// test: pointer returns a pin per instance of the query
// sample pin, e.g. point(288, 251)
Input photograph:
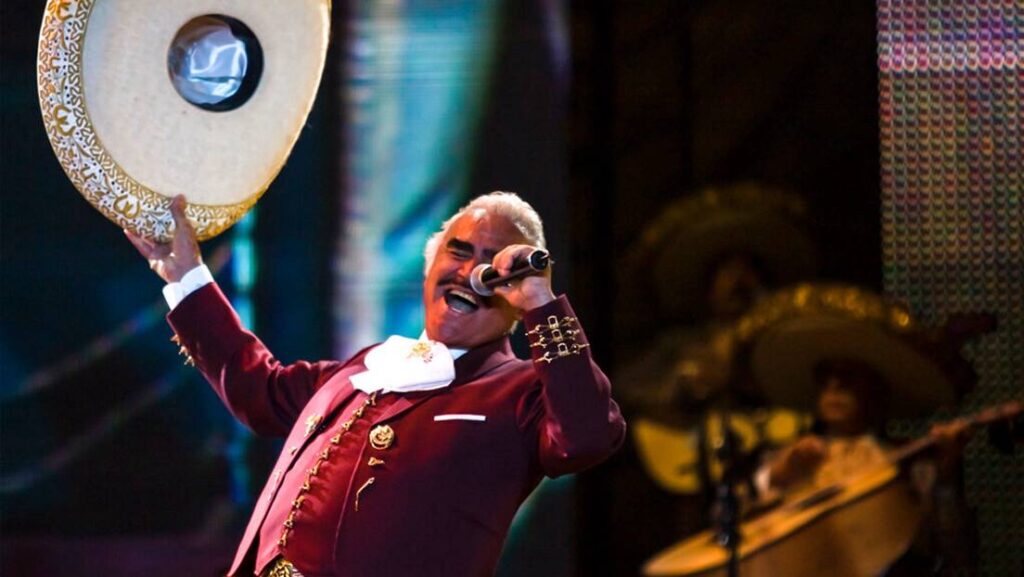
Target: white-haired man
point(412, 457)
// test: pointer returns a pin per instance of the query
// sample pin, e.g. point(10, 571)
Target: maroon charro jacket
point(443, 502)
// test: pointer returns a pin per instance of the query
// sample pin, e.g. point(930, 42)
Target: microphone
point(485, 277)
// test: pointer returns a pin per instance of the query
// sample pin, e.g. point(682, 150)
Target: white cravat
point(402, 365)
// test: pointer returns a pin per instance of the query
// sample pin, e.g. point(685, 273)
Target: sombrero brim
point(129, 142)
point(784, 356)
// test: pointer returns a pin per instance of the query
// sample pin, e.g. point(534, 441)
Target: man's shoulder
point(359, 355)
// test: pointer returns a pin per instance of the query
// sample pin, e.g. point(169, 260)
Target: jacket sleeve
point(577, 423)
point(256, 388)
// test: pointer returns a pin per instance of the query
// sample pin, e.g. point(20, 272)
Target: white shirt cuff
point(192, 281)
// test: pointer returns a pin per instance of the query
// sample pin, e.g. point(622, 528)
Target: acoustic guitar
point(853, 529)
point(671, 454)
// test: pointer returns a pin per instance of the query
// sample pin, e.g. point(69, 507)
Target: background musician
point(849, 438)
point(700, 264)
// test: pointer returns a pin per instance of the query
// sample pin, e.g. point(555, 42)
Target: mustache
point(457, 280)
point(454, 279)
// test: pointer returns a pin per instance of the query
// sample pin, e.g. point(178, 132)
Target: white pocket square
point(460, 417)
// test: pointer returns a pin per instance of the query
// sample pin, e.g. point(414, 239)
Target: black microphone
point(485, 277)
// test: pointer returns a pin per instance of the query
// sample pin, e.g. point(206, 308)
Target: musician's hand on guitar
point(950, 441)
point(798, 461)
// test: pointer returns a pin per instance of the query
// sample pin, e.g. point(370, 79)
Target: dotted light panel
point(951, 85)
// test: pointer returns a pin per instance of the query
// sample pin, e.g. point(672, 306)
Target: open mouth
point(461, 300)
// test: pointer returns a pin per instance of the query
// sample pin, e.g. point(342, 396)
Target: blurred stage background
point(117, 460)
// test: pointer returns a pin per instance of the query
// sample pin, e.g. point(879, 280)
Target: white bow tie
point(402, 365)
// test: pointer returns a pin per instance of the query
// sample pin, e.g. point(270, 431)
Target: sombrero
point(146, 99)
point(786, 335)
point(694, 232)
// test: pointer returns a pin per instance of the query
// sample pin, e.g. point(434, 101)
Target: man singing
point(411, 457)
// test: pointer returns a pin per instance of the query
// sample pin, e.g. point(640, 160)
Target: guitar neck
point(911, 449)
point(986, 417)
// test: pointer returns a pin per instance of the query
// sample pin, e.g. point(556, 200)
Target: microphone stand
point(735, 467)
point(728, 509)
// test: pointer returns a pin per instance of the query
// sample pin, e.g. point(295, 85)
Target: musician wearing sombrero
point(411, 457)
point(855, 362)
point(707, 258)
point(697, 267)
point(849, 431)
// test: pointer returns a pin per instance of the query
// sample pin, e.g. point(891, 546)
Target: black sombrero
point(782, 340)
point(693, 233)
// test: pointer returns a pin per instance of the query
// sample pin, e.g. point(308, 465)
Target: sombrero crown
point(680, 247)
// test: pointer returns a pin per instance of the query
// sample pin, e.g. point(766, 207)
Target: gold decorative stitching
point(560, 332)
point(381, 437)
point(281, 567)
point(359, 492)
point(312, 422)
point(563, 351)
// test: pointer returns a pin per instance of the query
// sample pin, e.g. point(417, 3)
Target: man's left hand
point(528, 292)
point(950, 438)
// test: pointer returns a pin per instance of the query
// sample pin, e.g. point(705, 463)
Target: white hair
point(506, 204)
